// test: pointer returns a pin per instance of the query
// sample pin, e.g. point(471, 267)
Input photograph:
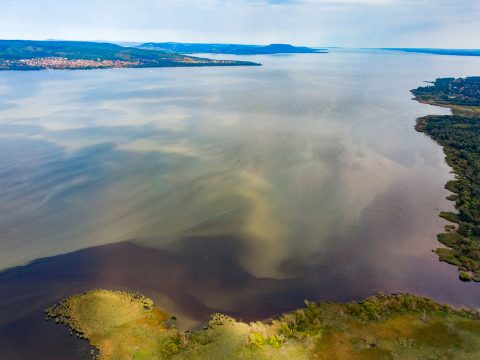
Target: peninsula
point(231, 49)
point(74, 55)
point(452, 52)
point(125, 325)
point(459, 134)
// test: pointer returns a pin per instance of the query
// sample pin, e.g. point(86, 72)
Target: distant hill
point(233, 49)
point(457, 52)
point(37, 55)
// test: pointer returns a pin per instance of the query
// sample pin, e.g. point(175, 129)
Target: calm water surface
point(239, 190)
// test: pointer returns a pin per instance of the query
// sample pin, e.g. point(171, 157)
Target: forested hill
point(36, 55)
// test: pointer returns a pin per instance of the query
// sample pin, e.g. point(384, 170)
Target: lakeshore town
point(66, 64)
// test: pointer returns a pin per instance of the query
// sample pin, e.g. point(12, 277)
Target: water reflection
point(275, 155)
point(303, 178)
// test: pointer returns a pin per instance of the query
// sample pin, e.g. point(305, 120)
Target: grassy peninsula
point(124, 325)
point(459, 134)
point(74, 55)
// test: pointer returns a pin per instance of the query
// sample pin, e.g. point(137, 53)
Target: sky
point(344, 23)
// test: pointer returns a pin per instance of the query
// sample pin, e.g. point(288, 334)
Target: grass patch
point(126, 325)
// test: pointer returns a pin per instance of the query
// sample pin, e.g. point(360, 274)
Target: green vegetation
point(459, 134)
point(127, 326)
point(114, 322)
point(451, 92)
point(18, 55)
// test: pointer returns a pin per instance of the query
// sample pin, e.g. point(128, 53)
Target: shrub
point(465, 276)
point(257, 339)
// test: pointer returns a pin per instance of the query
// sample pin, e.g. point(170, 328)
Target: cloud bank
point(351, 23)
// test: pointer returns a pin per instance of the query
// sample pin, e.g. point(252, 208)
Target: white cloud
point(361, 23)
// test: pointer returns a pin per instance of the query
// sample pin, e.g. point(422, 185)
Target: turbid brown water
point(240, 190)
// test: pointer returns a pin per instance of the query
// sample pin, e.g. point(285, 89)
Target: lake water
point(241, 190)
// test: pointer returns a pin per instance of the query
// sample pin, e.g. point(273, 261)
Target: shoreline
point(457, 134)
point(27, 290)
point(176, 65)
point(33, 55)
point(473, 111)
point(123, 324)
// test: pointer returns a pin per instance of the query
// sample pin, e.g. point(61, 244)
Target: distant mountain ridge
point(230, 49)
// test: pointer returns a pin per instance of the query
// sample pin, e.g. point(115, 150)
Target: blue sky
point(351, 23)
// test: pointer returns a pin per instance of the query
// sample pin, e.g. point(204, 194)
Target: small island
point(231, 49)
point(459, 134)
point(127, 325)
point(75, 55)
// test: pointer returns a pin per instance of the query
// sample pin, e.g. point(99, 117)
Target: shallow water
point(241, 190)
